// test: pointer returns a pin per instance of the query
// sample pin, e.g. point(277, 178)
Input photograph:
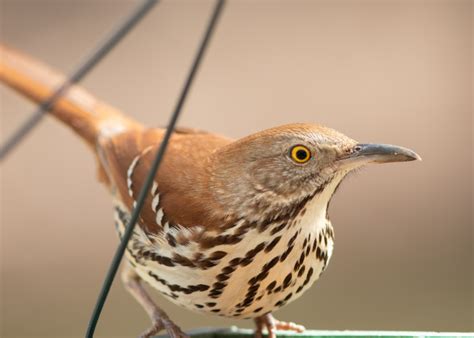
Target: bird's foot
point(159, 324)
point(269, 322)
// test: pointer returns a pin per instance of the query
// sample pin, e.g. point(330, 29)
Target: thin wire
point(151, 175)
point(85, 67)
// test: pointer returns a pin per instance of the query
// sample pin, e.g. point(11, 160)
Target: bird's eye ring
point(300, 154)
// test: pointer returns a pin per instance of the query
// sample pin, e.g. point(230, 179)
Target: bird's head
point(287, 164)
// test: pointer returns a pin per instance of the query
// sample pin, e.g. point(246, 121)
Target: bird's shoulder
point(179, 195)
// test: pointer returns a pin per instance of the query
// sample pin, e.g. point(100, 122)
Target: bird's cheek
point(326, 171)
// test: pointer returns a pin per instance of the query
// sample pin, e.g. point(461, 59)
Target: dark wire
point(95, 57)
point(151, 175)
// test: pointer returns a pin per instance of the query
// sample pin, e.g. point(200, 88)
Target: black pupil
point(301, 154)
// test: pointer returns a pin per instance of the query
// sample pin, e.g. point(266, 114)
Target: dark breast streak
point(218, 255)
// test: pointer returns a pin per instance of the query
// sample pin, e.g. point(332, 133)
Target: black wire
point(151, 176)
point(96, 55)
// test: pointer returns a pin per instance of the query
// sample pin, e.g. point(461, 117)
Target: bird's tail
point(86, 115)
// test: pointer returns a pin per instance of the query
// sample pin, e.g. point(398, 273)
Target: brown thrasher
point(231, 228)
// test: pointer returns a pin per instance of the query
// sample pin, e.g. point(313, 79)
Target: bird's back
point(180, 187)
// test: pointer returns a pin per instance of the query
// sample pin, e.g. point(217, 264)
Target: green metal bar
point(235, 332)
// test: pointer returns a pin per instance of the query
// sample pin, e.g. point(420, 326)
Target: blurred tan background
point(389, 71)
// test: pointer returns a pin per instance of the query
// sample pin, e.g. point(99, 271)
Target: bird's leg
point(267, 321)
point(159, 318)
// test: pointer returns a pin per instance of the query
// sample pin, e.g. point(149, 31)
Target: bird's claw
point(289, 326)
point(160, 324)
point(269, 322)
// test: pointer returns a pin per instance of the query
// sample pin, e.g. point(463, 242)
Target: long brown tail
point(78, 109)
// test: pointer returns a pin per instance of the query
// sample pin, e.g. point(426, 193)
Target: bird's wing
point(180, 194)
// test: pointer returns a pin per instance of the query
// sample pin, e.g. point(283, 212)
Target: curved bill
point(377, 153)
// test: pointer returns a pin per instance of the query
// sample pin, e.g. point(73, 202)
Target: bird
point(234, 228)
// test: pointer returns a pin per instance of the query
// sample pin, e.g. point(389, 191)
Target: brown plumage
point(233, 228)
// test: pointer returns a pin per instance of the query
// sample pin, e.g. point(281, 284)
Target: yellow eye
point(300, 154)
